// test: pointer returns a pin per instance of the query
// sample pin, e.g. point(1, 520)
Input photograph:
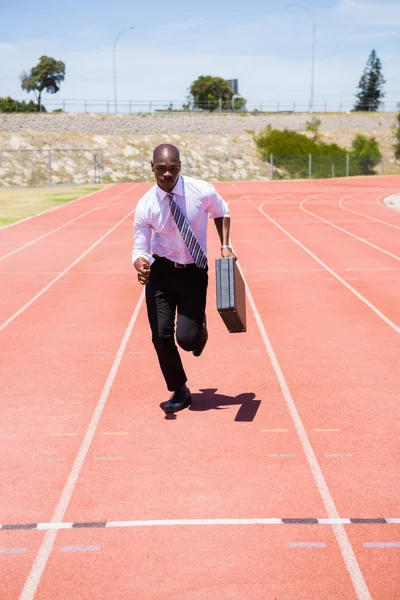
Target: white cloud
point(376, 12)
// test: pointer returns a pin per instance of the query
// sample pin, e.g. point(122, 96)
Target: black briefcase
point(231, 295)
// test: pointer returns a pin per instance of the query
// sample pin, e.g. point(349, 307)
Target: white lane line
point(46, 546)
point(200, 522)
point(13, 550)
point(343, 541)
point(307, 545)
point(81, 548)
point(56, 207)
point(391, 208)
point(360, 239)
point(364, 215)
point(381, 544)
point(53, 281)
point(347, 285)
point(65, 224)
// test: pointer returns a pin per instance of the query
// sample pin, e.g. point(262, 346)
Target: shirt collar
point(178, 189)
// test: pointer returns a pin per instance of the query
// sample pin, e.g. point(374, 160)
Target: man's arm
point(141, 256)
point(219, 211)
point(223, 225)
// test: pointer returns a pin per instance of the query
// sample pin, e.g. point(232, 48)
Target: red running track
point(293, 430)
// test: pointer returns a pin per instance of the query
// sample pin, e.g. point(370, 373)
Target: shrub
point(291, 151)
point(365, 154)
point(9, 105)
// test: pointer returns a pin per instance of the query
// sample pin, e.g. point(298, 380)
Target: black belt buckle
point(179, 266)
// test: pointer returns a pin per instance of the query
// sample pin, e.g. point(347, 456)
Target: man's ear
point(152, 166)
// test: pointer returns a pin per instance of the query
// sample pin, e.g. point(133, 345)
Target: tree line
point(207, 93)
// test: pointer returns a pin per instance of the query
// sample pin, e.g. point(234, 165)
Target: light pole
point(115, 80)
point(313, 51)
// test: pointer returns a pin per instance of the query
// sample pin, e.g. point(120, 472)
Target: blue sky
point(266, 45)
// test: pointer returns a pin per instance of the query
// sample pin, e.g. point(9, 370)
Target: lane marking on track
point(338, 455)
point(281, 455)
point(63, 434)
point(360, 239)
point(53, 281)
point(199, 522)
point(381, 544)
point(108, 458)
point(116, 432)
point(81, 548)
point(338, 277)
point(343, 541)
point(363, 214)
point(391, 208)
point(55, 208)
point(4, 256)
point(13, 550)
point(307, 545)
point(326, 430)
point(42, 556)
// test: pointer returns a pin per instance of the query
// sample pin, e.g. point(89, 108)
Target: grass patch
point(17, 204)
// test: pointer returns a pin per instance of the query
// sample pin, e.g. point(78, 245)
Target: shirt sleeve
point(142, 236)
point(217, 206)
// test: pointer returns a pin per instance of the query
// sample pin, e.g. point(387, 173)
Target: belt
point(174, 264)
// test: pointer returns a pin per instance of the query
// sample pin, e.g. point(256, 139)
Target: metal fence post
point(50, 174)
point(310, 166)
point(347, 165)
point(271, 164)
point(230, 167)
point(333, 170)
point(383, 165)
point(220, 105)
point(142, 166)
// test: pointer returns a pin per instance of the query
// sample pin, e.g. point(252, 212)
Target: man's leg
point(191, 309)
point(161, 303)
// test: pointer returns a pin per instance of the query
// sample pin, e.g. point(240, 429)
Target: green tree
point(365, 155)
point(371, 85)
point(47, 75)
point(396, 131)
point(207, 91)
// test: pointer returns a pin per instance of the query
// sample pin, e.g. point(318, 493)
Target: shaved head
point(165, 152)
point(166, 166)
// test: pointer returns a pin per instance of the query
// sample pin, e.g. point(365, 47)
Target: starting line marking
point(197, 522)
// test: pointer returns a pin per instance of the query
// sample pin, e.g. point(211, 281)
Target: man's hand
point(227, 253)
point(143, 268)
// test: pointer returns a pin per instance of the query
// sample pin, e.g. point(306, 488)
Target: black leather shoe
point(203, 340)
point(179, 400)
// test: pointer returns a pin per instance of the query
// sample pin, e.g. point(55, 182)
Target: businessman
point(170, 257)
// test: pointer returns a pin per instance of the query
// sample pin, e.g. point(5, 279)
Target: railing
point(52, 167)
point(82, 106)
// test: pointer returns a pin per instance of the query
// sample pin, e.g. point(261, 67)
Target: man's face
point(166, 171)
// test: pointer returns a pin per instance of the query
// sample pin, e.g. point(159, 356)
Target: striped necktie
point(189, 238)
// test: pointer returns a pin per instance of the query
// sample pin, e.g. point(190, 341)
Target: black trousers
point(170, 292)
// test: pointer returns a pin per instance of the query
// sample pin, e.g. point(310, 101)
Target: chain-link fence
point(55, 104)
point(49, 167)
